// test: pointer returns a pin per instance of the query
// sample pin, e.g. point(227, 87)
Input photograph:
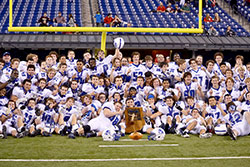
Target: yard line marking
point(121, 159)
point(143, 145)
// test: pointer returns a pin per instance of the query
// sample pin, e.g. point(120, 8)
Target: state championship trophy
point(134, 122)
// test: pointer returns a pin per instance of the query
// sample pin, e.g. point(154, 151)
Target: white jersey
point(89, 88)
point(136, 70)
point(79, 77)
point(61, 77)
point(154, 69)
point(214, 112)
point(29, 116)
point(3, 101)
point(120, 71)
point(33, 78)
point(42, 93)
point(115, 88)
point(234, 93)
point(217, 93)
point(10, 85)
point(68, 112)
point(71, 64)
point(168, 111)
point(200, 75)
point(241, 81)
point(90, 72)
point(21, 93)
point(42, 74)
point(233, 118)
point(61, 98)
point(245, 106)
point(187, 90)
point(176, 73)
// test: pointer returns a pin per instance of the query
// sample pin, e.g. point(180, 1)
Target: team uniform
point(48, 123)
point(89, 88)
point(187, 90)
point(214, 113)
point(200, 76)
point(217, 93)
point(136, 70)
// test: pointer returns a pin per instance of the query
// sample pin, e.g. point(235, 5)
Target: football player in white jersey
point(62, 95)
point(230, 90)
point(216, 89)
point(71, 61)
point(30, 74)
point(77, 73)
point(241, 77)
point(13, 65)
point(104, 62)
point(23, 92)
point(92, 69)
point(195, 124)
point(213, 114)
point(149, 66)
point(179, 72)
point(198, 75)
point(167, 91)
point(116, 70)
point(68, 118)
point(135, 69)
point(245, 90)
point(218, 57)
point(118, 86)
point(239, 62)
point(246, 104)
point(62, 75)
point(41, 91)
point(75, 90)
point(248, 69)
point(43, 70)
point(109, 117)
point(238, 125)
point(92, 88)
point(188, 88)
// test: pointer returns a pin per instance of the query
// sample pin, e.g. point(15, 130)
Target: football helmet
point(220, 129)
point(110, 135)
point(157, 134)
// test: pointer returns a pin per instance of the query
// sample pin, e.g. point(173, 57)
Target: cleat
point(64, 131)
point(19, 135)
point(172, 129)
point(4, 132)
point(1, 136)
point(231, 133)
point(205, 135)
point(71, 136)
point(91, 134)
point(46, 134)
point(185, 135)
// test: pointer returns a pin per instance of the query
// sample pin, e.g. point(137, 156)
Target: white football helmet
point(119, 43)
point(157, 134)
point(220, 129)
point(110, 135)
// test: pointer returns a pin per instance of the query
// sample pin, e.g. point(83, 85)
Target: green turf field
point(58, 147)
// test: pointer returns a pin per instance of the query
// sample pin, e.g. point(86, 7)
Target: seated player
point(216, 89)
point(238, 125)
point(195, 124)
point(92, 88)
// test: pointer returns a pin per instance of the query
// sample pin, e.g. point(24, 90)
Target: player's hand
point(211, 92)
point(129, 70)
point(223, 91)
point(203, 68)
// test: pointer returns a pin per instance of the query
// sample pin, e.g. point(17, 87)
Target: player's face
point(32, 104)
point(51, 74)
point(130, 103)
point(63, 90)
point(27, 86)
point(165, 84)
point(101, 82)
point(6, 58)
point(212, 102)
point(170, 102)
point(87, 56)
point(248, 84)
point(215, 81)
point(2, 92)
point(102, 98)
point(241, 72)
point(54, 57)
point(160, 58)
point(49, 61)
point(248, 67)
point(62, 59)
point(87, 100)
point(156, 83)
point(124, 62)
point(11, 105)
point(132, 92)
point(101, 54)
point(210, 66)
point(79, 65)
point(95, 80)
point(136, 59)
point(195, 114)
point(151, 101)
point(228, 99)
point(118, 81)
point(238, 61)
point(70, 103)
point(140, 81)
point(15, 65)
point(223, 68)
point(218, 59)
point(31, 71)
point(190, 102)
point(35, 58)
point(92, 63)
point(71, 55)
point(230, 83)
point(248, 96)
point(193, 64)
point(177, 57)
point(183, 66)
point(199, 60)
point(43, 65)
point(117, 63)
point(63, 68)
point(117, 97)
point(30, 62)
point(42, 84)
point(118, 106)
point(229, 74)
point(1, 65)
point(149, 63)
point(188, 79)
point(74, 85)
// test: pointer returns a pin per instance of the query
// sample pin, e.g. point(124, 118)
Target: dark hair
point(31, 66)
